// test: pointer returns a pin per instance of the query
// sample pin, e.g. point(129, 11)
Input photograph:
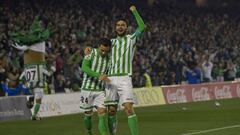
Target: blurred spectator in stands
point(138, 80)
point(13, 76)
point(230, 71)
point(192, 73)
point(59, 61)
point(174, 35)
point(3, 74)
point(3, 77)
point(207, 66)
point(76, 77)
point(60, 83)
point(218, 71)
point(20, 89)
point(76, 58)
point(170, 78)
point(147, 78)
point(238, 70)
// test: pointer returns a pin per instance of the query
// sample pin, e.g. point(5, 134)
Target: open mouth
point(120, 31)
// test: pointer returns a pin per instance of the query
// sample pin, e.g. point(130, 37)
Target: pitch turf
point(157, 120)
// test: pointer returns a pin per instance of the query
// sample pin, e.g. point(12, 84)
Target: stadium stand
point(177, 39)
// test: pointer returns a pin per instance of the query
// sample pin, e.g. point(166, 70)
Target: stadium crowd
point(191, 45)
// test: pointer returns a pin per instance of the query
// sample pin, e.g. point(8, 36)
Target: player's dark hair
point(105, 42)
point(121, 19)
point(44, 20)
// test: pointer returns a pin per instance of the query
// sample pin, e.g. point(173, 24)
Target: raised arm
point(141, 25)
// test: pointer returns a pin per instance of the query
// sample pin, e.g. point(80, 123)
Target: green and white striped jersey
point(35, 74)
point(122, 54)
point(97, 64)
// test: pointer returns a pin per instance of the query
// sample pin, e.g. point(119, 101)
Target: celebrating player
point(32, 43)
point(94, 67)
point(120, 72)
point(120, 88)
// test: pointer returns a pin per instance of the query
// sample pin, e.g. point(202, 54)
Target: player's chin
point(120, 33)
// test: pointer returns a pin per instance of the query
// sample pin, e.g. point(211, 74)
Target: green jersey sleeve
point(86, 66)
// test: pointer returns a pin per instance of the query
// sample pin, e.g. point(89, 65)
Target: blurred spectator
point(147, 79)
point(174, 35)
point(3, 77)
point(207, 66)
point(219, 71)
point(192, 73)
point(13, 76)
point(230, 71)
point(60, 84)
point(19, 90)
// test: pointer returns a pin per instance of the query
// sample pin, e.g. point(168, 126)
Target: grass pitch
point(178, 119)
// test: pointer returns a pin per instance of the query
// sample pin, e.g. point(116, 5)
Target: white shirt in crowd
point(207, 69)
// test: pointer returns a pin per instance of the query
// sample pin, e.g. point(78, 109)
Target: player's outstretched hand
point(19, 47)
point(104, 78)
point(87, 50)
point(133, 8)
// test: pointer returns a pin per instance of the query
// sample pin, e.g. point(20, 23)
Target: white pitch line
point(212, 130)
point(194, 130)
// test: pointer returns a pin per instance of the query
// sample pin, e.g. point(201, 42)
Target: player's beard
point(121, 34)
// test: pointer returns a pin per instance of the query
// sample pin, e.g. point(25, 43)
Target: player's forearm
point(139, 20)
point(89, 72)
point(86, 69)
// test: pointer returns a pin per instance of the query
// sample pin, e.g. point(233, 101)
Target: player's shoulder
point(129, 35)
point(94, 50)
point(91, 54)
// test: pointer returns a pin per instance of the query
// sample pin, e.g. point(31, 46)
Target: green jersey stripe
point(94, 68)
point(99, 65)
point(104, 71)
point(88, 78)
point(115, 54)
point(119, 54)
point(112, 58)
point(85, 80)
point(126, 58)
point(99, 69)
point(122, 55)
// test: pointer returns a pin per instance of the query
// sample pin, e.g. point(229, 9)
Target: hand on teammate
point(104, 78)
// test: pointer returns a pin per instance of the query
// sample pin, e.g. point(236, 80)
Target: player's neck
point(121, 36)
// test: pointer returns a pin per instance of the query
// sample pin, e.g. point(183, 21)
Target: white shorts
point(119, 90)
point(91, 99)
point(38, 93)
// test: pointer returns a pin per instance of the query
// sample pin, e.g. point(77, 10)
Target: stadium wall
point(148, 96)
point(201, 92)
point(12, 108)
point(62, 104)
